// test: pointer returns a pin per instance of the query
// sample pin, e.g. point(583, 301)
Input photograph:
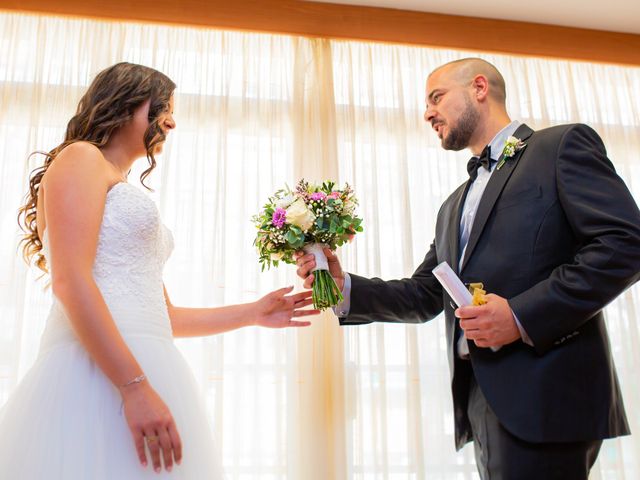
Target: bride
point(109, 393)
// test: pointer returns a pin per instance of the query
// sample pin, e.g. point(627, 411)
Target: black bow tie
point(474, 163)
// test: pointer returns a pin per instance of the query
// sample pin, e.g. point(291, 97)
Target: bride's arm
point(75, 188)
point(274, 310)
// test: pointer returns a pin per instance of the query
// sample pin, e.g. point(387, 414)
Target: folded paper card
point(452, 284)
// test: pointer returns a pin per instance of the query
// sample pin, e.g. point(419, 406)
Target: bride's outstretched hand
point(278, 310)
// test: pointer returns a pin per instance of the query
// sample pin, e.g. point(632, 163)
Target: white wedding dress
point(64, 420)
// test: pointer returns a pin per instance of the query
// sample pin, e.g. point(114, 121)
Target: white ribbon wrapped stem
point(321, 259)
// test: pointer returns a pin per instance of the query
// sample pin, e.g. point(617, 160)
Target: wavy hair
point(107, 105)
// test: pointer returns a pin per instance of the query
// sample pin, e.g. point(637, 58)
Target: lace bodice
point(133, 246)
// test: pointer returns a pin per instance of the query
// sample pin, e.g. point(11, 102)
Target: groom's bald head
point(465, 70)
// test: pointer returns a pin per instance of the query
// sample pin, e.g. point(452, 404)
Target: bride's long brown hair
point(108, 104)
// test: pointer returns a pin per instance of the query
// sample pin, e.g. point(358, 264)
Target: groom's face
point(450, 109)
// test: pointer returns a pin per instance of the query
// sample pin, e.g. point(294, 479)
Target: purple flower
point(318, 196)
point(279, 217)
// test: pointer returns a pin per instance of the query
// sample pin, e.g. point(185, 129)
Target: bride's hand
point(277, 309)
point(150, 420)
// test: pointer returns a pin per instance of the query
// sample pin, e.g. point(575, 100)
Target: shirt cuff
point(523, 334)
point(342, 309)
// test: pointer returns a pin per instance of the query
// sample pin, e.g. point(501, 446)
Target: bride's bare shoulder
point(75, 185)
point(80, 153)
point(79, 162)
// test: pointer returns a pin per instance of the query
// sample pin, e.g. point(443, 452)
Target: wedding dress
point(65, 421)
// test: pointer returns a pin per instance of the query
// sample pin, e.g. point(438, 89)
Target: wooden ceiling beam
point(351, 22)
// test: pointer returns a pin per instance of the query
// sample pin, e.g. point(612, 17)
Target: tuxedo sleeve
point(605, 221)
point(410, 300)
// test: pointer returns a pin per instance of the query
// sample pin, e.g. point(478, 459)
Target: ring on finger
point(151, 438)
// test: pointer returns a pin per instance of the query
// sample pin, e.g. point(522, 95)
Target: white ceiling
point(613, 15)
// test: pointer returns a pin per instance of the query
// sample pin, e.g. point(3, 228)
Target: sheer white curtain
point(255, 111)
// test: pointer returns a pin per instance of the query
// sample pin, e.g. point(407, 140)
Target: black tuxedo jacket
point(556, 233)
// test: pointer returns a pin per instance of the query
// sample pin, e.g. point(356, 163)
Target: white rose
point(299, 215)
point(349, 207)
point(284, 202)
point(277, 256)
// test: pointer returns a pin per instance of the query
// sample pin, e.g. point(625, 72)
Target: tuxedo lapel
point(492, 192)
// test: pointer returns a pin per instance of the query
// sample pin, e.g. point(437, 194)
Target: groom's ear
point(480, 85)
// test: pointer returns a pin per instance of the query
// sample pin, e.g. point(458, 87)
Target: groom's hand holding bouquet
point(307, 263)
point(315, 219)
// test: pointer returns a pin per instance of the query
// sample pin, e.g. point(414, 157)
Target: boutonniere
point(511, 146)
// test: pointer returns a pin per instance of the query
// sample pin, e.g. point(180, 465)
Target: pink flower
point(279, 217)
point(334, 195)
point(318, 196)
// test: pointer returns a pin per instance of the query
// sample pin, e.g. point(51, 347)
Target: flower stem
point(325, 291)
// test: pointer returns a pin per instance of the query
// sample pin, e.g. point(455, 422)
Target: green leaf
point(291, 237)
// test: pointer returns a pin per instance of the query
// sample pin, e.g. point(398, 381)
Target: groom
point(554, 234)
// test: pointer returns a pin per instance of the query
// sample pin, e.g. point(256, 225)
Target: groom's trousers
point(502, 456)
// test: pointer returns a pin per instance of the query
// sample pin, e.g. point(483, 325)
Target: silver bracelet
point(138, 379)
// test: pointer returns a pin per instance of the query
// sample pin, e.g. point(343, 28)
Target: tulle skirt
point(65, 420)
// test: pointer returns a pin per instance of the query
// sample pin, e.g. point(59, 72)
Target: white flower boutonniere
point(511, 146)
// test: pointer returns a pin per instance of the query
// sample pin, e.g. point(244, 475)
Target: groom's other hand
point(306, 262)
point(491, 324)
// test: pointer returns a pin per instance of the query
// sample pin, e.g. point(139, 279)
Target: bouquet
point(310, 218)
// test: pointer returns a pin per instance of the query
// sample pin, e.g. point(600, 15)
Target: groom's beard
point(460, 133)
